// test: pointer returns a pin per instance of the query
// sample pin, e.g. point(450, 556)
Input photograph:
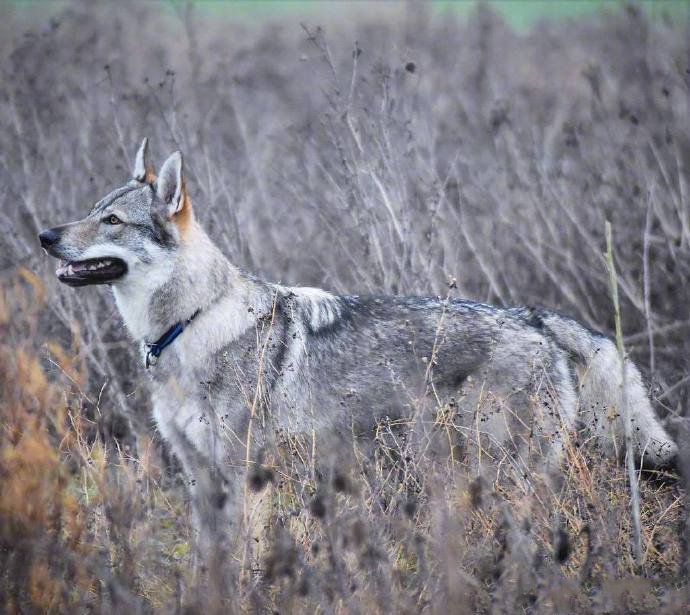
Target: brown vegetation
point(431, 148)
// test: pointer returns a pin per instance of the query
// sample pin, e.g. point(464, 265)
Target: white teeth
point(66, 268)
point(99, 265)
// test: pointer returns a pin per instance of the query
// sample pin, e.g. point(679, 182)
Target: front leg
point(213, 498)
point(213, 459)
point(213, 489)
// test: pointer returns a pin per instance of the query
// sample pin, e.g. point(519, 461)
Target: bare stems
point(624, 409)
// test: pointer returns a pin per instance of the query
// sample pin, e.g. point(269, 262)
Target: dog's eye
point(113, 219)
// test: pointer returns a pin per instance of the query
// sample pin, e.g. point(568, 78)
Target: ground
point(417, 153)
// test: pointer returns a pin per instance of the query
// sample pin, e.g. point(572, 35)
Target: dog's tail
point(598, 364)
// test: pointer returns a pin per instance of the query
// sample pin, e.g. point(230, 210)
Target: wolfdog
point(232, 358)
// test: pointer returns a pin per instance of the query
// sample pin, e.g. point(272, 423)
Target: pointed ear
point(143, 169)
point(169, 185)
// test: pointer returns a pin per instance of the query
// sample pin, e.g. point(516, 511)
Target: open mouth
point(91, 271)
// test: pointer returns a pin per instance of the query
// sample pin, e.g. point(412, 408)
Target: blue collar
point(153, 351)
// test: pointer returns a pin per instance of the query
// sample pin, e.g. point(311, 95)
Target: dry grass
point(429, 149)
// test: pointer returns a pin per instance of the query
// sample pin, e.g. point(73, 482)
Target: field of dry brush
point(375, 154)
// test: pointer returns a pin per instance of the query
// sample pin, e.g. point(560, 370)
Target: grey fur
point(265, 357)
point(169, 182)
point(142, 162)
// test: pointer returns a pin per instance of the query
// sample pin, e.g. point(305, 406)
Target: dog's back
point(353, 360)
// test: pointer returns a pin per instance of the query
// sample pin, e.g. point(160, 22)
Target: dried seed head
point(561, 545)
point(318, 506)
point(475, 491)
point(219, 499)
point(303, 586)
point(259, 477)
point(358, 532)
point(410, 507)
point(340, 483)
point(282, 560)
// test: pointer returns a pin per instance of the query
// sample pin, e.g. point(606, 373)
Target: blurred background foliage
point(364, 148)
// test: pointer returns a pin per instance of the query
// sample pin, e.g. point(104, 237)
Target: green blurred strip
point(520, 14)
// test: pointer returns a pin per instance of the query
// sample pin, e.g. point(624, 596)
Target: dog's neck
point(180, 286)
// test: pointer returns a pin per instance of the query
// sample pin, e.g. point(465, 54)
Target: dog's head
point(127, 232)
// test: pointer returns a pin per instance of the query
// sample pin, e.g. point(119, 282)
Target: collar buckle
point(154, 350)
point(151, 359)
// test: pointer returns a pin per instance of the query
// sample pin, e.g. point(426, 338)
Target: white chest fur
point(133, 298)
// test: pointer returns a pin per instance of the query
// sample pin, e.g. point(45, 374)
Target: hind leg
point(651, 442)
point(530, 425)
point(558, 405)
point(604, 409)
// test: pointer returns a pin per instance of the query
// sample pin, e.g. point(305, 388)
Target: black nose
point(48, 237)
